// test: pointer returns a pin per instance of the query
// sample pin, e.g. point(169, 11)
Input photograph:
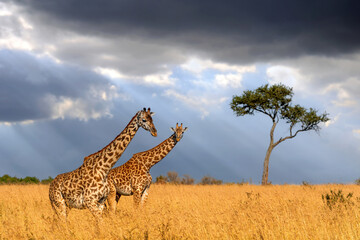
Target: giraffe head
point(179, 130)
point(145, 121)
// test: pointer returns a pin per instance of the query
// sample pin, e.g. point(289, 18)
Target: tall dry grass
point(190, 212)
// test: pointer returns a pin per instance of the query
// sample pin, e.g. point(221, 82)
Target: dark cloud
point(32, 88)
point(232, 30)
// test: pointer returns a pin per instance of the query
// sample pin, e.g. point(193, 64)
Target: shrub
point(161, 179)
point(187, 180)
point(29, 180)
point(208, 180)
point(47, 181)
point(357, 181)
point(6, 179)
point(337, 199)
point(305, 183)
point(173, 177)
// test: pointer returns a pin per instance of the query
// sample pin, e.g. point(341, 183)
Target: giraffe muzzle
point(154, 133)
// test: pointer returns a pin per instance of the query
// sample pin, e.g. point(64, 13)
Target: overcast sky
point(73, 73)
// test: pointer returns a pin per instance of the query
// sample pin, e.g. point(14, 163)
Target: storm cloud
point(264, 28)
point(157, 34)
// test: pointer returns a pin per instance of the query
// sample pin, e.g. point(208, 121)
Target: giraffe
point(87, 186)
point(133, 177)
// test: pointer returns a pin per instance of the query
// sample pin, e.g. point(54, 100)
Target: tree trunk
point(265, 175)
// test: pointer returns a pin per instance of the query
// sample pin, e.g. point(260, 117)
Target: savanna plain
point(193, 212)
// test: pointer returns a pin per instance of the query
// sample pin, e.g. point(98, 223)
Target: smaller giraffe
point(133, 177)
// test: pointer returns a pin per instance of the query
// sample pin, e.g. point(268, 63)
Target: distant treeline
point(6, 179)
point(171, 178)
point(174, 178)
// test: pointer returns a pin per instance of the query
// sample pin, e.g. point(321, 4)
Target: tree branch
point(264, 112)
point(289, 137)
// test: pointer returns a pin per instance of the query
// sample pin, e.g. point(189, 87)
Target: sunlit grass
point(190, 212)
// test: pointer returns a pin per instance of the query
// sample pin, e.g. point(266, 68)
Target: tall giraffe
point(133, 177)
point(87, 186)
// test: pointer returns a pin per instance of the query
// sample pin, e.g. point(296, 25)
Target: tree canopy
point(275, 102)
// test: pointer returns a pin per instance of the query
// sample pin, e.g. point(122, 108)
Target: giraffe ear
point(152, 114)
point(186, 128)
point(172, 129)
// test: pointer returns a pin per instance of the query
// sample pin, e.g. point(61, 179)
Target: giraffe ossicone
point(87, 186)
point(133, 177)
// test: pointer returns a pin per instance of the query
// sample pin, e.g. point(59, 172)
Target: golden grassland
point(191, 212)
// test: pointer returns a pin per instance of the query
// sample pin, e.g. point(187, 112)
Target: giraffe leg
point(137, 196)
point(112, 199)
point(140, 195)
point(145, 191)
point(60, 209)
point(58, 203)
point(144, 196)
point(96, 210)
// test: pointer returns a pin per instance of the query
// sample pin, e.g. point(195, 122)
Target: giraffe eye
point(144, 120)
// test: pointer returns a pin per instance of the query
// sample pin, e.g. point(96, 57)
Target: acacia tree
point(275, 102)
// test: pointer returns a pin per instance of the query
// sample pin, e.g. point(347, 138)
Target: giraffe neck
point(106, 158)
point(156, 154)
